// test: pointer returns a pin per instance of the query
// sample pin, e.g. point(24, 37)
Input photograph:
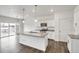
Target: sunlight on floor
point(8, 44)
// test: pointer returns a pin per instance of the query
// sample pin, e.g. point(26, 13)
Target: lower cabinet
point(73, 45)
point(39, 43)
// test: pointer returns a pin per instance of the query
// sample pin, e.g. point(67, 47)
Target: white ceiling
point(42, 10)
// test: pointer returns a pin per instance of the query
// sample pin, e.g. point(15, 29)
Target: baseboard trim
point(57, 40)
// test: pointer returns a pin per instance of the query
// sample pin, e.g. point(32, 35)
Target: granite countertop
point(73, 36)
point(35, 34)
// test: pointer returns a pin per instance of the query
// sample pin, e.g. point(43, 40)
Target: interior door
point(65, 27)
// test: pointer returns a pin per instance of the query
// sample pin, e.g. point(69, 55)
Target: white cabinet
point(39, 43)
point(73, 44)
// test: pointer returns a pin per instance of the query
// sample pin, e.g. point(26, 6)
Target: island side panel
point(35, 42)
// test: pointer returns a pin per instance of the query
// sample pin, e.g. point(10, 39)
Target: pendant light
point(23, 14)
point(35, 10)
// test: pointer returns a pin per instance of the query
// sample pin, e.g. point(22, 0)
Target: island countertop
point(36, 34)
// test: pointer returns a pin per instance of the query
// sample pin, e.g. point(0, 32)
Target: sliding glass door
point(7, 29)
point(12, 29)
point(4, 29)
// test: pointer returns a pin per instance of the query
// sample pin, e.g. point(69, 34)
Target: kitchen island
point(36, 40)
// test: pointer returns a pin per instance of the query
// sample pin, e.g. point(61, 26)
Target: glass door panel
point(4, 29)
point(7, 29)
point(12, 29)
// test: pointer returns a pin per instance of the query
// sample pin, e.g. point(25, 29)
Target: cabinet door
point(75, 46)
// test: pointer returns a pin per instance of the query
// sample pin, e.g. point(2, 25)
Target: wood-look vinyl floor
point(10, 45)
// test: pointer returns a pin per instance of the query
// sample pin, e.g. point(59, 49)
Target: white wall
point(7, 19)
point(76, 20)
point(64, 25)
point(4, 19)
point(31, 25)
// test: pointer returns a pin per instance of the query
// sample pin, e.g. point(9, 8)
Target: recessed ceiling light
point(36, 20)
point(51, 10)
point(27, 15)
point(23, 21)
point(33, 11)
